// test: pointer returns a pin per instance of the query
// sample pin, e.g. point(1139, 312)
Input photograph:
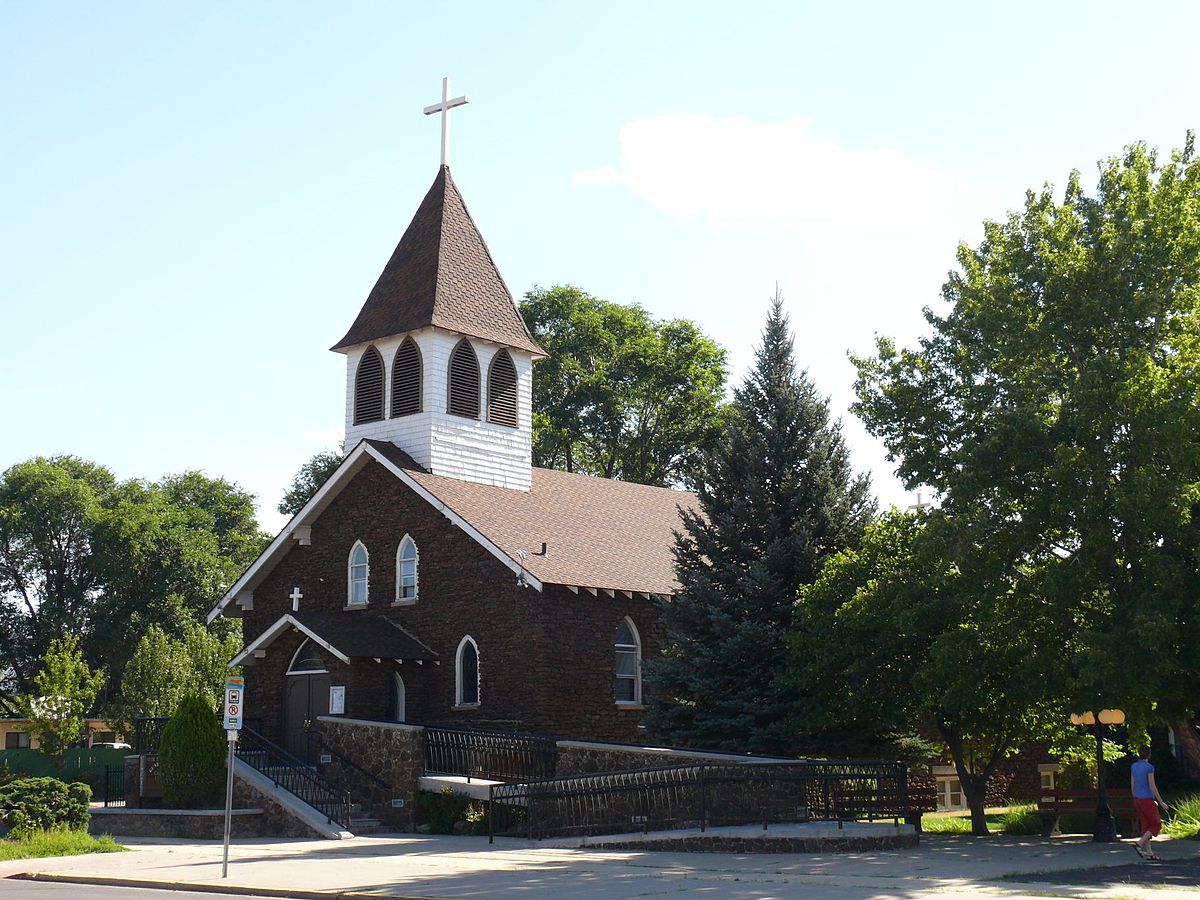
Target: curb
point(200, 888)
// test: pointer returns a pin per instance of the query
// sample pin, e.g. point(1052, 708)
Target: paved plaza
point(437, 866)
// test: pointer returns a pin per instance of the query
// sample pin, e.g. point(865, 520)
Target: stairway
point(301, 781)
point(361, 822)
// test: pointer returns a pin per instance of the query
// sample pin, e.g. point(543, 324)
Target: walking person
point(1146, 801)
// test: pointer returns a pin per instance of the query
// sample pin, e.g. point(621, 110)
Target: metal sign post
point(235, 687)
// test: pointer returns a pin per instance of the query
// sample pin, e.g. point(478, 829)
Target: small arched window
point(406, 569)
point(358, 574)
point(463, 396)
point(628, 649)
point(368, 388)
point(406, 379)
point(502, 390)
point(307, 660)
point(396, 698)
point(466, 673)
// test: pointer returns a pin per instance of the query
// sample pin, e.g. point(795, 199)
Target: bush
point(191, 756)
point(33, 804)
point(443, 809)
point(1021, 819)
point(1185, 818)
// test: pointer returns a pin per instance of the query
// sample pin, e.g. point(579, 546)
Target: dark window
point(463, 399)
point(468, 673)
point(406, 380)
point(308, 658)
point(502, 390)
point(368, 388)
point(628, 651)
point(16, 740)
point(406, 570)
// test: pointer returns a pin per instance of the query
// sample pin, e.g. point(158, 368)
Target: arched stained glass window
point(307, 659)
point(406, 569)
point(358, 574)
point(467, 673)
point(628, 649)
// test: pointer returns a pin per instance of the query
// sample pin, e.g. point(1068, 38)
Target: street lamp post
point(1105, 831)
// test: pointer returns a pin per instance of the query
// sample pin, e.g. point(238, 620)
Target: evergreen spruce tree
point(778, 497)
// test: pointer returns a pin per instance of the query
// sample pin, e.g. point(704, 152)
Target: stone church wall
point(545, 658)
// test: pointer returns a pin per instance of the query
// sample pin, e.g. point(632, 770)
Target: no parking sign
point(235, 688)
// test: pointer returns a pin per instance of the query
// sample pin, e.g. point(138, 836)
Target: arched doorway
point(305, 697)
point(396, 698)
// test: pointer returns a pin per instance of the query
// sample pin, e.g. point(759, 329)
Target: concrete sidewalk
point(438, 866)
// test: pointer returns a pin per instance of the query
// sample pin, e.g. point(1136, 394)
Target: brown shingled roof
point(441, 273)
point(599, 533)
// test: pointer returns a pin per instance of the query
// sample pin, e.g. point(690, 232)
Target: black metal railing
point(147, 731)
point(700, 796)
point(114, 786)
point(498, 755)
point(294, 776)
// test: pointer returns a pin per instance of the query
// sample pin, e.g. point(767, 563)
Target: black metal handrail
point(498, 755)
point(699, 796)
point(294, 776)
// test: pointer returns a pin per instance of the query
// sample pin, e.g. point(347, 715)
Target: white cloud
point(735, 170)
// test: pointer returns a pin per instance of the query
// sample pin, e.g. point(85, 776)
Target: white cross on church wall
point(295, 596)
point(444, 108)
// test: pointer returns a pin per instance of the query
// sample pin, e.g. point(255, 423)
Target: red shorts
point(1147, 813)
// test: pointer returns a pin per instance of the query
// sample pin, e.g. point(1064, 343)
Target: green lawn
point(1015, 819)
point(56, 843)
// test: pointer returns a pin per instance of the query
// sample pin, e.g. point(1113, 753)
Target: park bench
point(1053, 805)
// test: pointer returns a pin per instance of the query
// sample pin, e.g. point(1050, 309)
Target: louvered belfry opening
point(502, 390)
point(368, 388)
point(463, 397)
point(406, 380)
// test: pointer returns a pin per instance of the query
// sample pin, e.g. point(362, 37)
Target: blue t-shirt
point(1141, 779)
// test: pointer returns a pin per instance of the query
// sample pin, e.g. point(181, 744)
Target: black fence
point(114, 786)
point(701, 796)
point(496, 755)
point(147, 731)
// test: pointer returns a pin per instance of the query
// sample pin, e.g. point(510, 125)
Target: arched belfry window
point(502, 390)
point(358, 574)
point(463, 395)
point(307, 660)
point(368, 388)
point(628, 648)
point(406, 379)
point(466, 673)
point(406, 569)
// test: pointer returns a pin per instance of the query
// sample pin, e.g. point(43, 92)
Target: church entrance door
point(305, 697)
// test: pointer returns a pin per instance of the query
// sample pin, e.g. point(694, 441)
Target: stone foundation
point(388, 760)
point(193, 824)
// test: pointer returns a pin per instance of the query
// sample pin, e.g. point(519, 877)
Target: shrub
point(191, 756)
point(443, 809)
point(1185, 818)
point(933, 824)
point(1021, 818)
point(32, 804)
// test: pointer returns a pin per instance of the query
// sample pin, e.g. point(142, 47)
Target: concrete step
point(367, 825)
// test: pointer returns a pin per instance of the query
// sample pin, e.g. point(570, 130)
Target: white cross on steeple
point(295, 596)
point(444, 108)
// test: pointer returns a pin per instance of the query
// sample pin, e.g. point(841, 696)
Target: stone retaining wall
point(393, 753)
point(193, 824)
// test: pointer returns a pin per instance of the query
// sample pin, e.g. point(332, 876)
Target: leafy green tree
point(1055, 409)
point(309, 479)
point(191, 755)
point(896, 636)
point(163, 670)
point(778, 497)
point(83, 554)
point(64, 693)
point(621, 395)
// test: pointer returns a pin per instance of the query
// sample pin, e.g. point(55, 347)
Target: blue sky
point(197, 198)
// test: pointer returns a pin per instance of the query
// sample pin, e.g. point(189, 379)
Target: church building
point(438, 577)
